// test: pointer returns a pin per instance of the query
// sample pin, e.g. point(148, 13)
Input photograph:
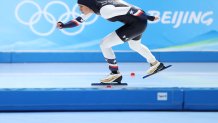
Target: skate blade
point(109, 85)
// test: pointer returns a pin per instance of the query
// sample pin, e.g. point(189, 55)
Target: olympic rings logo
point(35, 18)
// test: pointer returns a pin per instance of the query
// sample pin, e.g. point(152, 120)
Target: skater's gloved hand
point(60, 25)
point(152, 18)
point(156, 18)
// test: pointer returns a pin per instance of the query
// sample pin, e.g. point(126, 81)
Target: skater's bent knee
point(104, 44)
point(134, 46)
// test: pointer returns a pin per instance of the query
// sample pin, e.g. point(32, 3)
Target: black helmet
point(87, 3)
point(92, 4)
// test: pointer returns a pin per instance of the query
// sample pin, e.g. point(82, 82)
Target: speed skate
point(159, 70)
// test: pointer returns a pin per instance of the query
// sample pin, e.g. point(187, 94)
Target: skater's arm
point(141, 14)
point(74, 22)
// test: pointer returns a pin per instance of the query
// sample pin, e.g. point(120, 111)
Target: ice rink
point(81, 75)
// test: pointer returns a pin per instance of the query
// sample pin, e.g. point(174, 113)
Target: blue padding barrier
point(129, 99)
point(186, 56)
point(201, 99)
point(42, 57)
point(5, 57)
point(73, 57)
point(90, 99)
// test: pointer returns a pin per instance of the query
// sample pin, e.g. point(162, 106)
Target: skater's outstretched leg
point(137, 46)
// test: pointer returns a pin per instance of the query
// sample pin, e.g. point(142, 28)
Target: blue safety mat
point(91, 99)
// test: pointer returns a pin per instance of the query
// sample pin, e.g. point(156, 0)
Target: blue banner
point(30, 25)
